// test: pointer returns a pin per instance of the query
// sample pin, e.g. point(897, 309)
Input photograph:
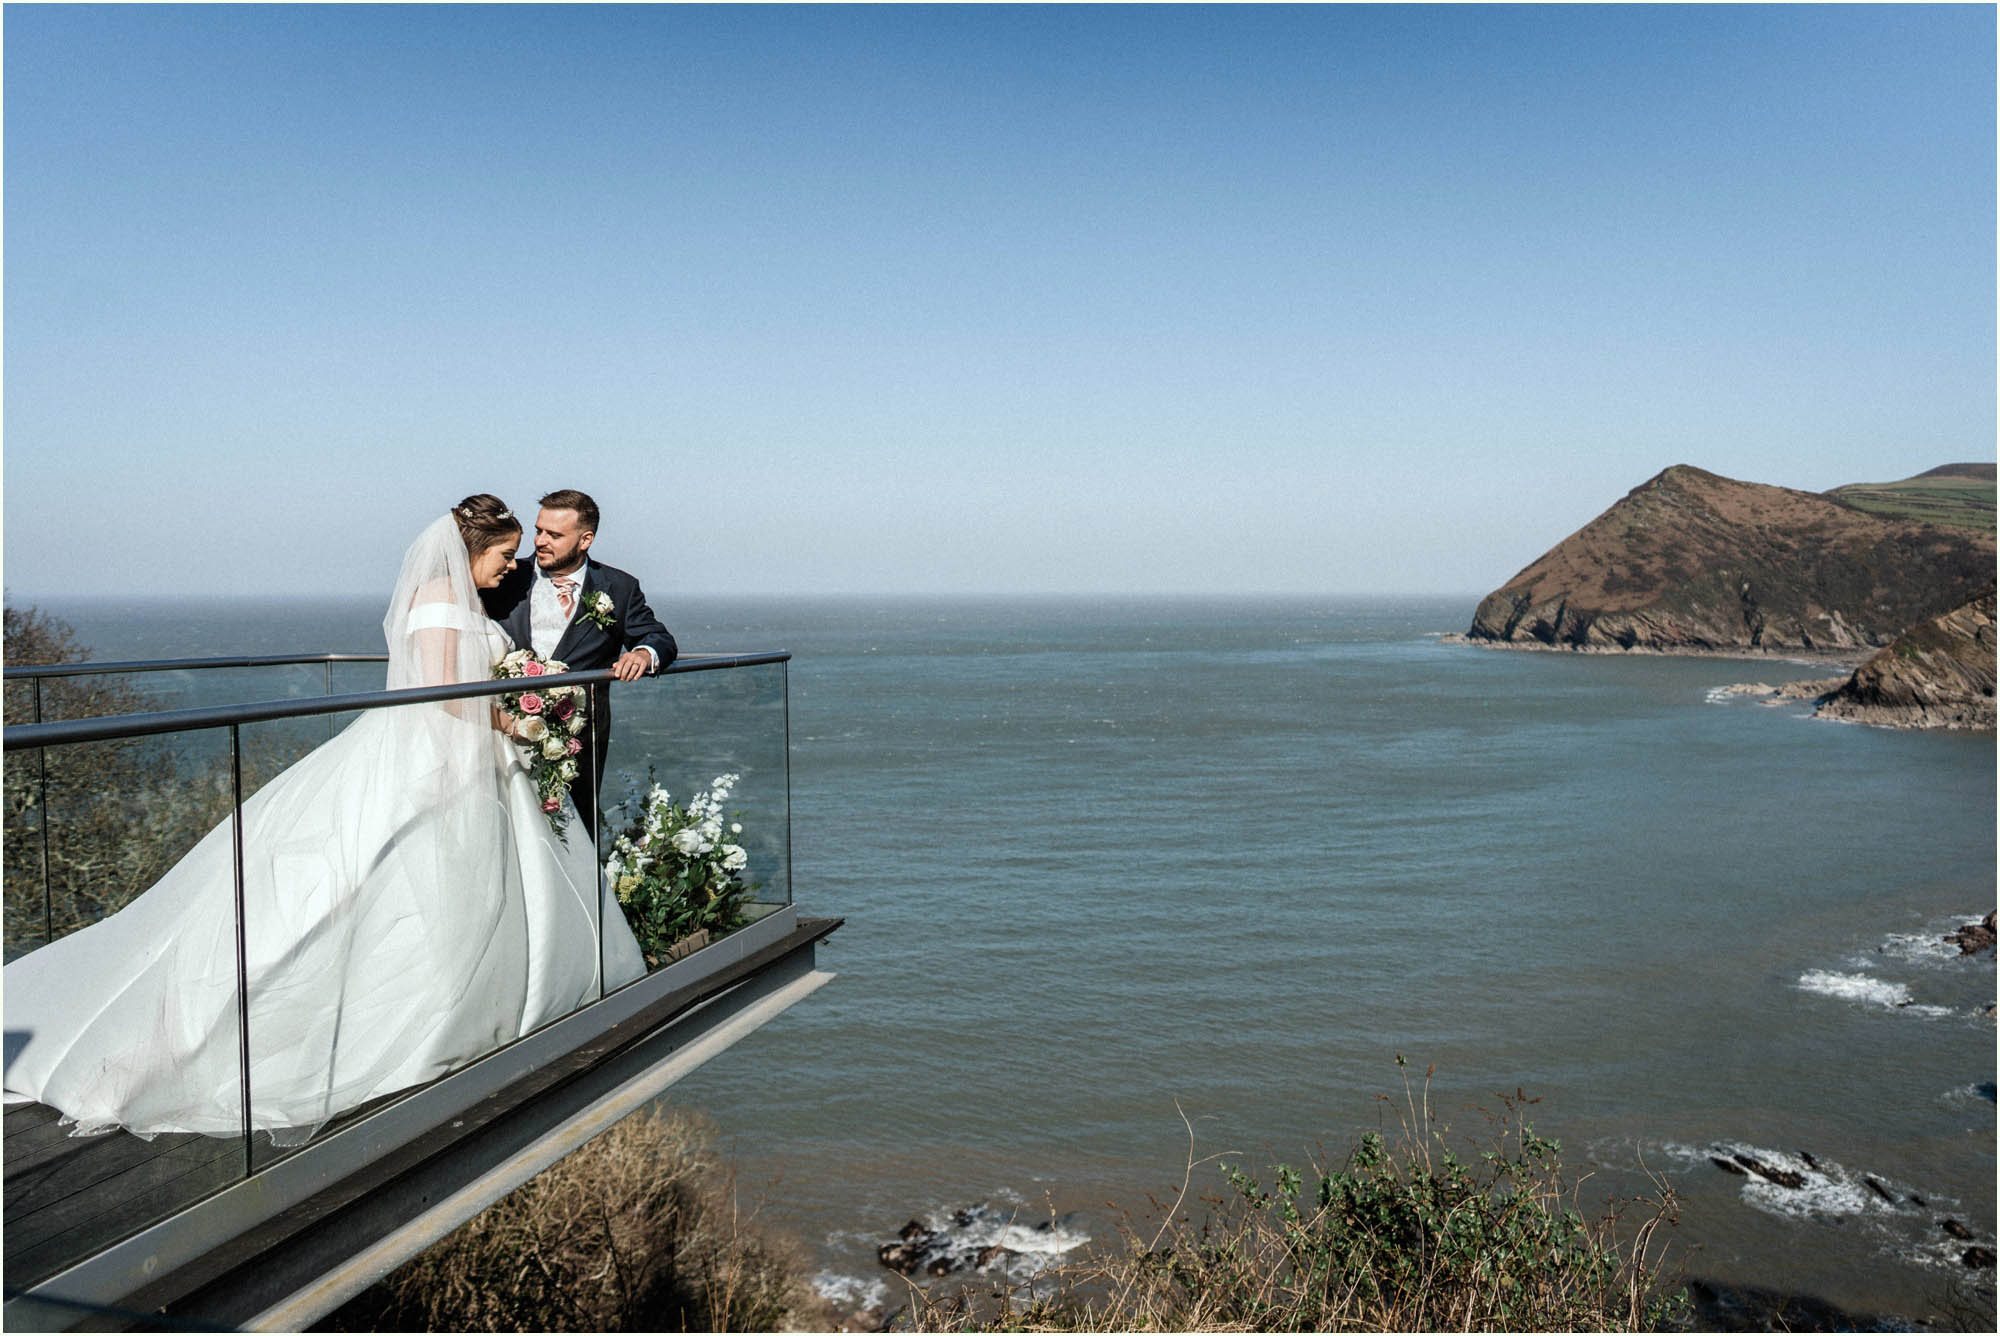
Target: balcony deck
point(416, 1175)
point(190, 1231)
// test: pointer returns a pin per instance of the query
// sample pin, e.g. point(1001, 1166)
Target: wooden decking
point(68, 1197)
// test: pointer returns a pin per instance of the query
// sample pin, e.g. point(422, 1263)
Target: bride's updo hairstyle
point(484, 521)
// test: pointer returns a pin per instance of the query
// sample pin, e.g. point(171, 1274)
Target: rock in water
point(1978, 1258)
point(1691, 560)
point(1953, 1227)
point(1938, 674)
point(1974, 937)
point(1784, 1178)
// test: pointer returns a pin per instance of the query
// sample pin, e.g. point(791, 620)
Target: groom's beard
point(552, 566)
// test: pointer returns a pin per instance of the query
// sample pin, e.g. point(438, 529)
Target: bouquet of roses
point(675, 873)
point(545, 721)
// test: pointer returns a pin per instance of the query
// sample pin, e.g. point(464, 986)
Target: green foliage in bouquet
point(678, 870)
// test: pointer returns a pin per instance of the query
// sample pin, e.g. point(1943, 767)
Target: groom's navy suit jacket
point(585, 645)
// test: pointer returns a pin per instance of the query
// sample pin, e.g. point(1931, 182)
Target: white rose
point(568, 771)
point(688, 841)
point(554, 748)
point(734, 858)
point(735, 828)
point(534, 728)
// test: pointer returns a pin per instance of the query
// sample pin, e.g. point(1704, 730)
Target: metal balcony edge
point(138, 1261)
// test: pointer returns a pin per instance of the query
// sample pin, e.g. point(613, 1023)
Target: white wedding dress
point(407, 910)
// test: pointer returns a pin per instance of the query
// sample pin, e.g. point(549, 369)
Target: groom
point(587, 615)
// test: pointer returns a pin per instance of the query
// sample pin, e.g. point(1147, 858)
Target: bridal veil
point(383, 917)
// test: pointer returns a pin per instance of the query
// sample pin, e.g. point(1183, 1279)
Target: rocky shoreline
point(1835, 658)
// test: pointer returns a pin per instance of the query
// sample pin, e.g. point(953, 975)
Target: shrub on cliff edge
point(1404, 1237)
point(639, 1230)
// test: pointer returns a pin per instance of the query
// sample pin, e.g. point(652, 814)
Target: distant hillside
point(1692, 561)
point(1955, 494)
point(1938, 674)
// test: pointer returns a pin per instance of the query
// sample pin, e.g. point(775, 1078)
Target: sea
point(1134, 888)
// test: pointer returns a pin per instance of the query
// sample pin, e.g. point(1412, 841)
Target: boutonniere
point(598, 610)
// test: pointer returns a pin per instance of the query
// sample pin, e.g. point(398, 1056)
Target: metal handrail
point(104, 728)
point(87, 668)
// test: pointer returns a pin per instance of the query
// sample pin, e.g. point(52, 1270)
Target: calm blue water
point(1106, 864)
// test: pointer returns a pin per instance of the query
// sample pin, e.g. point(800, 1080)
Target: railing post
point(328, 665)
point(42, 811)
point(242, 941)
point(785, 693)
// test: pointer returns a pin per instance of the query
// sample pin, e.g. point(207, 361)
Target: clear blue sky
point(1317, 299)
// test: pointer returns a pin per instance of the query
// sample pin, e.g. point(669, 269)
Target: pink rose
point(530, 703)
point(532, 669)
point(575, 746)
point(551, 804)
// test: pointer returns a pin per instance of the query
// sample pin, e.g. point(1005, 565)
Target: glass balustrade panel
point(670, 850)
point(141, 825)
point(91, 826)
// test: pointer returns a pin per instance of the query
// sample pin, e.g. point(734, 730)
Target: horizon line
point(38, 600)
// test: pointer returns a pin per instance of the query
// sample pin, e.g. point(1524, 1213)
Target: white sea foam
point(1828, 1191)
point(1919, 948)
point(1867, 989)
point(1901, 1224)
point(1021, 1247)
point(1972, 1092)
point(852, 1292)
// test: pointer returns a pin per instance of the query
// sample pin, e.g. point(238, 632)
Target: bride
point(406, 909)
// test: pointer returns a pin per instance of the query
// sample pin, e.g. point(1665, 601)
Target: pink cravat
point(565, 595)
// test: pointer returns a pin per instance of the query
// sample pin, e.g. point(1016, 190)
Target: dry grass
point(1402, 1238)
point(640, 1230)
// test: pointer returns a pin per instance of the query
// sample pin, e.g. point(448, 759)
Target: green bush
point(1400, 1237)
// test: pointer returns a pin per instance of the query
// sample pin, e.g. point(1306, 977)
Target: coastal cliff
point(1938, 674)
point(1691, 561)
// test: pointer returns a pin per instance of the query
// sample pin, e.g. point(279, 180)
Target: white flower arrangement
point(673, 872)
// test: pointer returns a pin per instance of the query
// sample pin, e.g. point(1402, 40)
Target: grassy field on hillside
point(1961, 502)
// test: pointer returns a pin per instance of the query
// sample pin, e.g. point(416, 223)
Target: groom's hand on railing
point(632, 665)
